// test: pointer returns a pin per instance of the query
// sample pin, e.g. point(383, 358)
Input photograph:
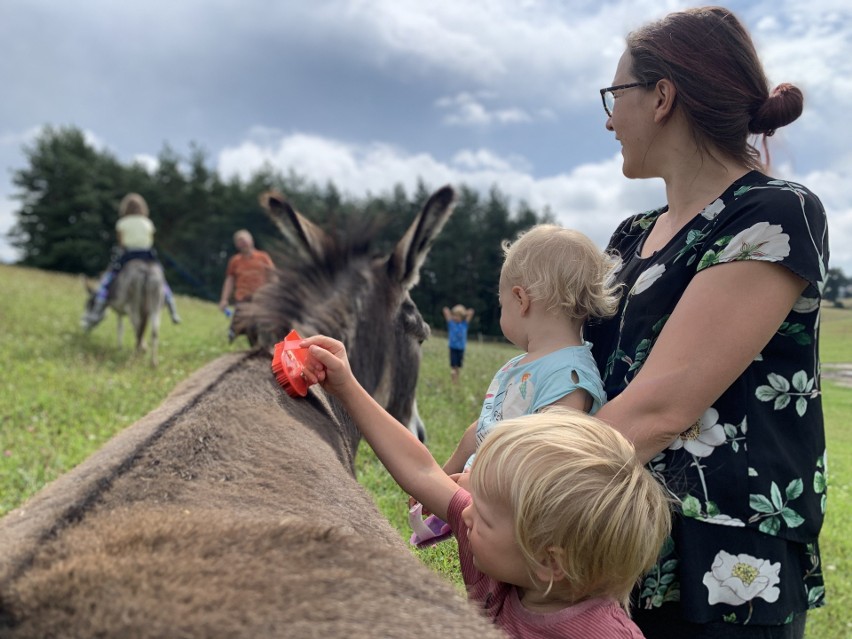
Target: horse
point(232, 509)
point(137, 291)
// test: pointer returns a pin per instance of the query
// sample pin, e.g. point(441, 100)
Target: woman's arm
point(723, 320)
point(407, 460)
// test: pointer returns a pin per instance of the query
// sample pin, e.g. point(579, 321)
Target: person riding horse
point(135, 234)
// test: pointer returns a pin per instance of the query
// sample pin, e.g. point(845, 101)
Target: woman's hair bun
point(781, 108)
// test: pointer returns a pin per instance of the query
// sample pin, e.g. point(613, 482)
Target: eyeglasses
point(608, 97)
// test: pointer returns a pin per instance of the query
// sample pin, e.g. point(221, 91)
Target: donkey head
point(334, 285)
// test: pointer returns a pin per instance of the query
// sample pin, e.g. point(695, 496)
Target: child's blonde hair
point(458, 311)
point(133, 204)
point(563, 269)
point(580, 498)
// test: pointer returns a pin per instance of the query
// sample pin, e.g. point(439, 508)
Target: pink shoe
point(429, 531)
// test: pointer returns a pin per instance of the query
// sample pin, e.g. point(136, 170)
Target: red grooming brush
point(288, 362)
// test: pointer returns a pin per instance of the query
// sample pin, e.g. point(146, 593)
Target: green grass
point(63, 394)
point(836, 334)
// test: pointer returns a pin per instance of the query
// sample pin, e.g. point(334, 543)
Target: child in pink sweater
point(560, 521)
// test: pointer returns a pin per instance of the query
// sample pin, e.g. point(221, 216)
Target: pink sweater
point(591, 619)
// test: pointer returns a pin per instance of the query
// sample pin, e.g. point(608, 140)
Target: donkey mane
point(300, 292)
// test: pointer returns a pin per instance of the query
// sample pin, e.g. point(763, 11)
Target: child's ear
point(549, 568)
point(519, 294)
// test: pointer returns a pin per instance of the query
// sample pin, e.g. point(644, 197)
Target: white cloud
point(503, 67)
point(16, 139)
point(832, 188)
point(592, 198)
point(467, 109)
point(354, 169)
point(148, 161)
point(7, 220)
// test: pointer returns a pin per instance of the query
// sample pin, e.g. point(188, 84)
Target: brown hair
point(722, 89)
point(133, 204)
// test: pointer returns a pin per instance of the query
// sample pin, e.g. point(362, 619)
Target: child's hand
point(413, 502)
point(462, 479)
point(327, 363)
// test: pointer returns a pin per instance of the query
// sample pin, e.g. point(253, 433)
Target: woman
point(711, 364)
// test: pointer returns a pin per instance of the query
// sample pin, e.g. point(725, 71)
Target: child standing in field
point(458, 320)
point(560, 522)
point(553, 279)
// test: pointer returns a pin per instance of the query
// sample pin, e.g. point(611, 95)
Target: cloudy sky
point(372, 93)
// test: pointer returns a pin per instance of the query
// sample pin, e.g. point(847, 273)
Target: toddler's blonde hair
point(580, 499)
point(563, 269)
point(133, 204)
point(459, 310)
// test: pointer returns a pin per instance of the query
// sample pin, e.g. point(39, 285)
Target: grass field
point(63, 394)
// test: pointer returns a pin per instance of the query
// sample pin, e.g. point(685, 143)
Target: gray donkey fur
point(137, 292)
point(232, 509)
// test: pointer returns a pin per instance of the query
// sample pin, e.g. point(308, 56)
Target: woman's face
point(632, 121)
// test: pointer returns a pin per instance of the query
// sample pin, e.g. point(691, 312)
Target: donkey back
point(232, 510)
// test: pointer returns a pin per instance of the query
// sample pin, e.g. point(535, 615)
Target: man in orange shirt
point(247, 271)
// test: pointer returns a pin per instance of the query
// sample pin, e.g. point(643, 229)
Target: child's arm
point(447, 314)
point(578, 399)
point(465, 448)
point(407, 460)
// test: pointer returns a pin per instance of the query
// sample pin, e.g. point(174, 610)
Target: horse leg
point(120, 330)
point(139, 325)
point(154, 320)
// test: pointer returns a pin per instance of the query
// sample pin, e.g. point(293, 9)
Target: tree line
point(69, 193)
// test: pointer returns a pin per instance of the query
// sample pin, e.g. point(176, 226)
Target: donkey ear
point(303, 234)
point(411, 251)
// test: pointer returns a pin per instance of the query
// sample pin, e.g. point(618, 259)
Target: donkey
point(137, 291)
point(232, 510)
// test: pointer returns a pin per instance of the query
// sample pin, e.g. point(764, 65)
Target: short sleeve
point(231, 270)
point(776, 221)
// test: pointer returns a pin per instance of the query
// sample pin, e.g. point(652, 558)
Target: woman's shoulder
point(757, 186)
point(635, 225)
point(760, 200)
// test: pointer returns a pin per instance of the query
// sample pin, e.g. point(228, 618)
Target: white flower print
point(712, 210)
point(806, 304)
point(724, 520)
point(763, 241)
point(703, 436)
point(738, 579)
point(647, 278)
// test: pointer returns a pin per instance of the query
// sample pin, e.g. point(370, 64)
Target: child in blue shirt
point(458, 320)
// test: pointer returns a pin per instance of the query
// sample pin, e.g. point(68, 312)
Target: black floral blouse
point(749, 477)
